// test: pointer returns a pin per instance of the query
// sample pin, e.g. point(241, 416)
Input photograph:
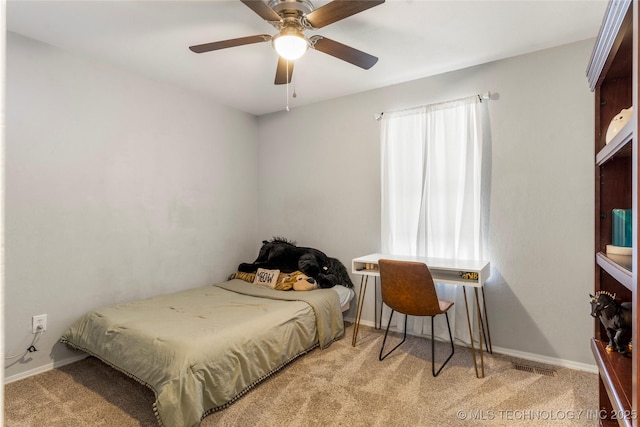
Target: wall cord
point(32, 348)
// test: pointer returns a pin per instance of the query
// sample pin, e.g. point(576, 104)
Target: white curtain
point(431, 175)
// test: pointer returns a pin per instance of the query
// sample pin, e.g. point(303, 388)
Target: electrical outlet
point(39, 323)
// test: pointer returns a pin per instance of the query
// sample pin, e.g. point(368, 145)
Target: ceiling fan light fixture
point(290, 44)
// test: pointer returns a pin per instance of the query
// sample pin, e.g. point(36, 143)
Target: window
point(431, 184)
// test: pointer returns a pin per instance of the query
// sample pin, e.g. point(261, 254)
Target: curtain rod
point(481, 96)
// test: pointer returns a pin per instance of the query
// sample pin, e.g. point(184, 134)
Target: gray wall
point(117, 188)
point(319, 183)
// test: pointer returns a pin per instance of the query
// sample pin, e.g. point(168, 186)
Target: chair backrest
point(407, 287)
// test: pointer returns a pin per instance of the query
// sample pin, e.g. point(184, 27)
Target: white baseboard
point(520, 354)
point(362, 322)
point(547, 360)
point(44, 368)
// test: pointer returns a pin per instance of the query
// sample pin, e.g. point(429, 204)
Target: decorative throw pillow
point(266, 277)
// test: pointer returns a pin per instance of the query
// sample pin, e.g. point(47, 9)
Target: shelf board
point(616, 145)
point(618, 266)
point(616, 374)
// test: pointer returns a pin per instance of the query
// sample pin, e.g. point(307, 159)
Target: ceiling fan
point(291, 18)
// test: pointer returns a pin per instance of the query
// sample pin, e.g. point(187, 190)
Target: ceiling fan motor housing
point(292, 14)
point(302, 6)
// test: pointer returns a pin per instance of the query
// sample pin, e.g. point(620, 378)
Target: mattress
point(201, 349)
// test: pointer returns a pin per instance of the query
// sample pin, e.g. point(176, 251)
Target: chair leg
point(433, 359)
point(404, 337)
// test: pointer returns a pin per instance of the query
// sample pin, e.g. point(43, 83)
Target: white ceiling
point(412, 38)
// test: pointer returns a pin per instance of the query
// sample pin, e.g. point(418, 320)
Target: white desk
point(449, 271)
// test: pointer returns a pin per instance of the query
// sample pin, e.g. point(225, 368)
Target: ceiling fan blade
point(282, 77)
point(261, 8)
point(344, 52)
point(208, 47)
point(337, 10)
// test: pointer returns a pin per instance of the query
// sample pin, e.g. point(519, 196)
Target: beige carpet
point(338, 386)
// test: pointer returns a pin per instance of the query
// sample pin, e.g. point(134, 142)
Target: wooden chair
point(407, 287)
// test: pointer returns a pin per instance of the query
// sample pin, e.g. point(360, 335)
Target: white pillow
point(345, 294)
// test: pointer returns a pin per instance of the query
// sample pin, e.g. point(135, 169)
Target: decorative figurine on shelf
point(615, 317)
point(617, 123)
point(469, 276)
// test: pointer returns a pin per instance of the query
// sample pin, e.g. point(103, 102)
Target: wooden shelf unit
point(613, 76)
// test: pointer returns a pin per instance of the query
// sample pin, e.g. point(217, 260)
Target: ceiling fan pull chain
point(294, 88)
point(287, 86)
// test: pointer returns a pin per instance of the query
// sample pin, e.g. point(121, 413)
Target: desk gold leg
point(486, 319)
point(379, 314)
point(363, 290)
point(473, 348)
point(480, 330)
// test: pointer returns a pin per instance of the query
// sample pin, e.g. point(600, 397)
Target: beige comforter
point(201, 349)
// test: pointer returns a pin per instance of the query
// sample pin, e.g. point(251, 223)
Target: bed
point(201, 349)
